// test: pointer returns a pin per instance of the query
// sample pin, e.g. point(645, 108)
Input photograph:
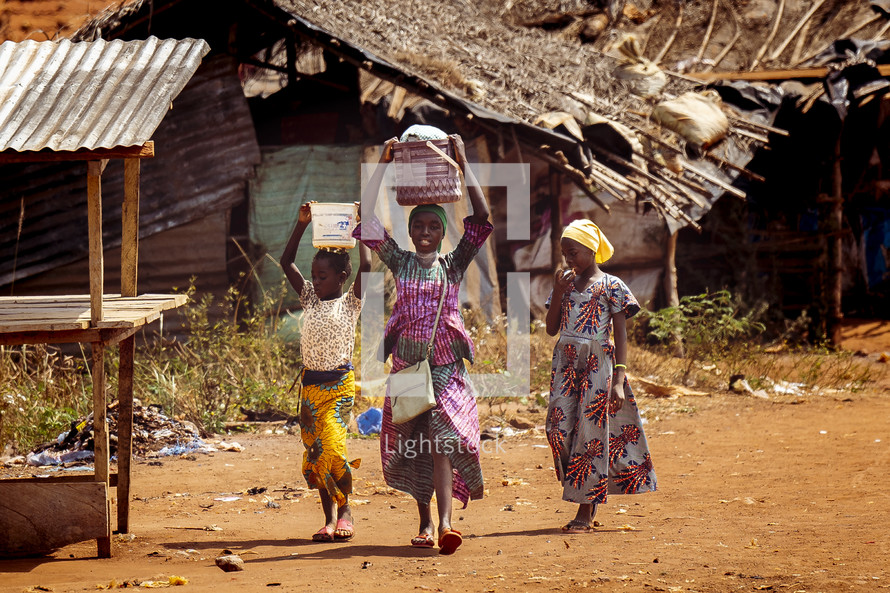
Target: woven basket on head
point(423, 175)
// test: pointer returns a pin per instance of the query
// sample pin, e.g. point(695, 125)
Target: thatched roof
point(508, 64)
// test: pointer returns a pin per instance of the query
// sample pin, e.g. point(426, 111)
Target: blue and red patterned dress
point(596, 451)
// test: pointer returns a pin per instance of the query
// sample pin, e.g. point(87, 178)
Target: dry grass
point(234, 363)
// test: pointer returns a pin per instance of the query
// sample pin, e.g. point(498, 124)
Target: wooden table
point(53, 512)
point(39, 515)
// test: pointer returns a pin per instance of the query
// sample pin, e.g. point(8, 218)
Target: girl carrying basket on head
point(437, 451)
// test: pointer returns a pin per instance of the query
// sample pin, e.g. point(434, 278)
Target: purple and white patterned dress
point(596, 450)
point(452, 427)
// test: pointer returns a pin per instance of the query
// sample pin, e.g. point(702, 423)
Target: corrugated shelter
point(68, 96)
point(469, 60)
point(88, 102)
point(189, 188)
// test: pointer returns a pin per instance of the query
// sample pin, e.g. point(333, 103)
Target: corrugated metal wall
point(206, 149)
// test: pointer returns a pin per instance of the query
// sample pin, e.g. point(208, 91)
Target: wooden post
point(290, 41)
point(129, 264)
point(833, 227)
point(670, 271)
point(130, 230)
point(94, 222)
point(670, 287)
point(555, 219)
point(100, 433)
point(125, 431)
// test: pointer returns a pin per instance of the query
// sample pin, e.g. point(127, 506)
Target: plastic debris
point(60, 458)
point(196, 445)
point(788, 388)
point(154, 434)
point(370, 421)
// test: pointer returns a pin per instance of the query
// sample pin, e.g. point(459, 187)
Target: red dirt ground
point(753, 495)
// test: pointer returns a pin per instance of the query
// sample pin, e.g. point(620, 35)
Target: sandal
point(575, 526)
point(449, 541)
point(325, 534)
point(423, 540)
point(345, 530)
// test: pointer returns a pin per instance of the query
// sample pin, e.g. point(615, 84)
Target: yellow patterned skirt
point(324, 413)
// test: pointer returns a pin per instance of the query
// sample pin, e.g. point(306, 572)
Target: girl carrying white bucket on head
point(328, 381)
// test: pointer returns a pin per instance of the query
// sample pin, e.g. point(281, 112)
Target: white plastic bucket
point(332, 224)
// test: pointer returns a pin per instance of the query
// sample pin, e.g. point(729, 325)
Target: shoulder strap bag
point(411, 389)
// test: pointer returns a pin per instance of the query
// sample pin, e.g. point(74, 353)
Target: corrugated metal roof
point(66, 96)
point(192, 175)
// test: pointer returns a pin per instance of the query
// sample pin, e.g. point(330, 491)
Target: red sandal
point(423, 540)
point(449, 541)
point(345, 526)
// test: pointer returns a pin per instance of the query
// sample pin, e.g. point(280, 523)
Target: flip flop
point(346, 526)
point(576, 527)
point(449, 541)
point(325, 534)
point(423, 540)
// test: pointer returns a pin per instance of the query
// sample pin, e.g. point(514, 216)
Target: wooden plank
point(37, 518)
point(884, 69)
point(107, 336)
point(32, 326)
point(73, 478)
point(125, 432)
point(130, 228)
point(94, 219)
point(100, 422)
point(144, 151)
point(108, 297)
point(29, 314)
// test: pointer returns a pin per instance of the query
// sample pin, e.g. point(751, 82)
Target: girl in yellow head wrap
point(593, 424)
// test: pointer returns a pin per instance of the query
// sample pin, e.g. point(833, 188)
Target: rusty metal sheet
point(63, 95)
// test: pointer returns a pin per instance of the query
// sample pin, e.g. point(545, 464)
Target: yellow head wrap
point(588, 234)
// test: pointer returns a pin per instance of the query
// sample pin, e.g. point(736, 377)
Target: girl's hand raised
point(306, 213)
point(460, 151)
point(386, 155)
point(562, 280)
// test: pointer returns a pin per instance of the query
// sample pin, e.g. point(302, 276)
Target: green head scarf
point(435, 209)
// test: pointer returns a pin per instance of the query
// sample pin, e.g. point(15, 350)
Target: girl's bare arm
point(619, 325)
point(562, 280)
point(474, 190)
point(364, 255)
point(290, 250)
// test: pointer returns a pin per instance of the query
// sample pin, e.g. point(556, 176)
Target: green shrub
point(709, 327)
point(233, 357)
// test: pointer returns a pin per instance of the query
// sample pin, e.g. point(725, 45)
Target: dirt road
point(753, 495)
